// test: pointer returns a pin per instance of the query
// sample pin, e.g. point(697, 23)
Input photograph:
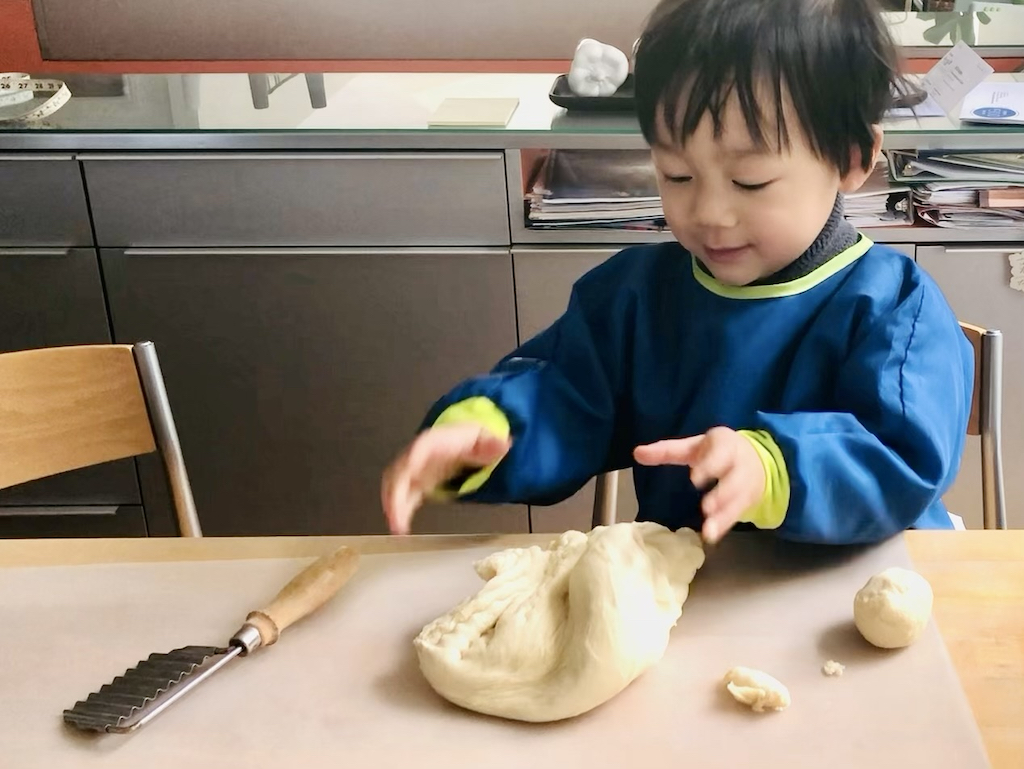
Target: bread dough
point(558, 630)
point(893, 608)
point(833, 668)
point(757, 689)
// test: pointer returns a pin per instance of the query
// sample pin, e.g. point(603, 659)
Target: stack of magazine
point(619, 190)
point(952, 189)
point(880, 202)
point(595, 188)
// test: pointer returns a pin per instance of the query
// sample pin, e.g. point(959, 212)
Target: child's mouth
point(721, 255)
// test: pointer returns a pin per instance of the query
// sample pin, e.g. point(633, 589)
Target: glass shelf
point(376, 110)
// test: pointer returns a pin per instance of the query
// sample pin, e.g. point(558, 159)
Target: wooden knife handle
point(308, 591)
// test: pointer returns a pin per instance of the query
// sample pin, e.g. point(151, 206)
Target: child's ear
point(857, 175)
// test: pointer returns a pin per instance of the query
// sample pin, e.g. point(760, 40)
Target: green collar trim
point(791, 288)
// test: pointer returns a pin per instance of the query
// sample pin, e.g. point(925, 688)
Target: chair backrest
point(64, 408)
point(985, 421)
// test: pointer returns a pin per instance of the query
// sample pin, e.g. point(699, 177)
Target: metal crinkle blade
point(134, 698)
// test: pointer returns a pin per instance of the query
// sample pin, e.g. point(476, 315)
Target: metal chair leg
point(259, 85)
point(166, 435)
point(606, 494)
point(317, 90)
point(991, 418)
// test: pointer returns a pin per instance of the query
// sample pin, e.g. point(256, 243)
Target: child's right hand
point(436, 456)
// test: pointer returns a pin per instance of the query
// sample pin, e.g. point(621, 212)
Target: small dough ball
point(757, 689)
point(893, 608)
point(833, 668)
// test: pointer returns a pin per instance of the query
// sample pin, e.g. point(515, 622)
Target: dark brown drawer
point(334, 199)
point(65, 522)
point(42, 202)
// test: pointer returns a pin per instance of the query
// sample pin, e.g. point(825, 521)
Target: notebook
point(474, 112)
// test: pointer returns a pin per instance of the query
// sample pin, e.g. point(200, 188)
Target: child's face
point(747, 213)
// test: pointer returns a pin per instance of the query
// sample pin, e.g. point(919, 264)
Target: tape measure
point(18, 88)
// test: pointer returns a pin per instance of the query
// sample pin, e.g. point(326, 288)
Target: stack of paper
point(994, 103)
point(977, 205)
point(584, 188)
point(964, 189)
point(879, 203)
point(619, 190)
point(982, 167)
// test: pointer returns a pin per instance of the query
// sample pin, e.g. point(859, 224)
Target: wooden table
point(977, 576)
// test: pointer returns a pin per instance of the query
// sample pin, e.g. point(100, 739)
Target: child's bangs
point(759, 90)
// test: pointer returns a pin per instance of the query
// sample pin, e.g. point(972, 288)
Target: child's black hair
point(834, 58)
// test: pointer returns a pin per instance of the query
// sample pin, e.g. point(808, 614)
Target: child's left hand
point(719, 454)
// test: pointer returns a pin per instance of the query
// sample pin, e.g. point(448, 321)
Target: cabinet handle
point(41, 510)
point(1005, 250)
point(199, 252)
point(34, 252)
point(340, 155)
point(27, 157)
point(556, 251)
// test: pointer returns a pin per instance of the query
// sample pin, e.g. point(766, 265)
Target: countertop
point(977, 578)
point(218, 112)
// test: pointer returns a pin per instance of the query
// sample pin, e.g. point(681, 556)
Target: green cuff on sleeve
point(770, 512)
point(476, 410)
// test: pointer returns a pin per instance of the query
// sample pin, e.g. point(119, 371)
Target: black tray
point(623, 100)
point(910, 96)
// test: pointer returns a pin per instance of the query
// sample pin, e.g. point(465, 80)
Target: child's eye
point(677, 179)
point(751, 187)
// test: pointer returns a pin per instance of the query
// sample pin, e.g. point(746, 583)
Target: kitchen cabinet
point(975, 280)
point(295, 375)
point(308, 307)
point(53, 297)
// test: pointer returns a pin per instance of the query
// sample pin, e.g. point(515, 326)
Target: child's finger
point(487, 448)
point(678, 451)
point(723, 506)
point(399, 505)
point(712, 531)
point(462, 449)
point(727, 493)
point(438, 454)
point(387, 495)
point(718, 524)
point(714, 463)
point(716, 528)
point(428, 450)
point(434, 457)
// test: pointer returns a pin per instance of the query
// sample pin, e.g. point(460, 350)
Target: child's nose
point(713, 211)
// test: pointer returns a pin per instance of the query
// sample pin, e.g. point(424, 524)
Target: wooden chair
point(63, 408)
point(985, 421)
point(987, 418)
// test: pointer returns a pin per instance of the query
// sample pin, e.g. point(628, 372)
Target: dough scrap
point(893, 608)
point(833, 668)
point(559, 630)
point(757, 689)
